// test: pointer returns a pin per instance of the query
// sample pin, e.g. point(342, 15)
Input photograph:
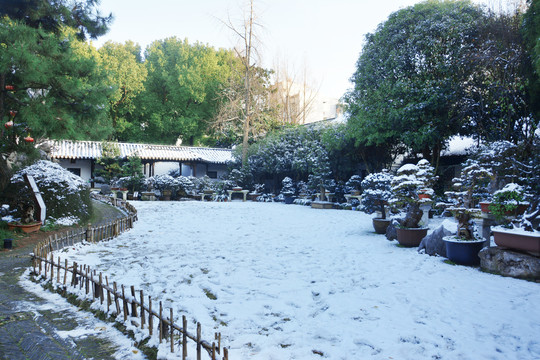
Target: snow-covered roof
point(68, 149)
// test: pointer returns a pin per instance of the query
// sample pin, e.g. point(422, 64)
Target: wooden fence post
point(126, 313)
point(116, 299)
point(198, 341)
point(150, 316)
point(184, 337)
point(133, 304)
point(160, 322)
point(74, 277)
point(142, 310)
point(171, 331)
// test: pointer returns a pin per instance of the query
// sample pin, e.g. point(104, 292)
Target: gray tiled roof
point(68, 149)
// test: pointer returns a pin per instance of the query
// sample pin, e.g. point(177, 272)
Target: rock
point(391, 233)
point(433, 243)
point(105, 189)
point(510, 263)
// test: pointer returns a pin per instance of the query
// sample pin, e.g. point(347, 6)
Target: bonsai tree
point(182, 186)
point(287, 187)
point(506, 202)
point(354, 184)
point(405, 188)
point(110, 162)
point(287, 190)
point(468, 189)
point(426, 175)
point(321, 174)
point(377, 190)
point(133, 176)
point(471, 186)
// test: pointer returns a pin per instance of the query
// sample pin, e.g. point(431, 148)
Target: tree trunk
point(247, 83)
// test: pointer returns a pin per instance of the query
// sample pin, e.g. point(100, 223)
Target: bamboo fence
point(119, 301)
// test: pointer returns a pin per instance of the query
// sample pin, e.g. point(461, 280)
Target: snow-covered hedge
point(64, 194)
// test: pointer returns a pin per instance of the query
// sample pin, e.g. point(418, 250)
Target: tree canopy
point(410, 75)
point(439, 69)
point(52, 16)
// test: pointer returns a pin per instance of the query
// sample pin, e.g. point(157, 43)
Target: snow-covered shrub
point(202, 184)
point(354, 183)
point(265, 198)
point(163, 182)
point(241, 177)
point(175, 172)
point(501, 157)
point(300, 201)
point(303, 188)
point(468, 189)
point(426, 175)
point(506, 201)
point(258, 188)
point(405, 189)
point(377, 190)
point(221, 186)
point(64, 194)
point(183, 186)
point(471, 186)
point(287, 187)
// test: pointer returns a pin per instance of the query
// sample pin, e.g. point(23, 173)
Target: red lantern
point(29, 139)
point(10, 87)
point(12, 113)
point(9, 124)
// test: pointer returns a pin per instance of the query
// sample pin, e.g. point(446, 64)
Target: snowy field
point(290, 282)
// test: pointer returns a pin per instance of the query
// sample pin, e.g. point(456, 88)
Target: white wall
point(163, 167)
point(84, 166)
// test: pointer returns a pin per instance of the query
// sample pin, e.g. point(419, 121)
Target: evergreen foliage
point(377, 191)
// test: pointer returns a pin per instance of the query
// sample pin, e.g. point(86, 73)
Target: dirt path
point(29, 330)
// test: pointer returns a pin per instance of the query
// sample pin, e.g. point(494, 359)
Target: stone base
point(510, 263)
point(322, 205)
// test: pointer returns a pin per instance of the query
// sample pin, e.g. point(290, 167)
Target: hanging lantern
point(12, 113)
point(29, 139)
point(9, 124)
point(10, 87)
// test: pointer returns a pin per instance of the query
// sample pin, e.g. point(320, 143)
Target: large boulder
point(510, 263)
point(433, 243)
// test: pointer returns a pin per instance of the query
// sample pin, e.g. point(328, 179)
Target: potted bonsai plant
point(463, 248)
point(258, 189)
point(354, 184)
point(516, 231)
point(288, 190)
point(406, 185)
point(27, 223)
point(377, 192)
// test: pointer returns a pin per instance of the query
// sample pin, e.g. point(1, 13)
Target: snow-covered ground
point(291, 282)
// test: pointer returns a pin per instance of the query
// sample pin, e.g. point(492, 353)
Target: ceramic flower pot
point(518, 240)
point(26, 228)
point(380, 225)
point(463, 252)
point(411, 237)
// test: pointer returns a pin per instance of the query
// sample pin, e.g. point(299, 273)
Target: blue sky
point(323, 36)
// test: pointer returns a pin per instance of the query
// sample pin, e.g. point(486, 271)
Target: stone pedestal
point(425, 216)
point(510, 263)
point(484, 224)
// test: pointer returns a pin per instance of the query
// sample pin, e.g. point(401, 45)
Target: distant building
point(80, 157)
point(298, 104)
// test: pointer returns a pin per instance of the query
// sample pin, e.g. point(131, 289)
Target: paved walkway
point(29, 329)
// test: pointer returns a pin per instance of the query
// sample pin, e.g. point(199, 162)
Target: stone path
point(29, 329)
